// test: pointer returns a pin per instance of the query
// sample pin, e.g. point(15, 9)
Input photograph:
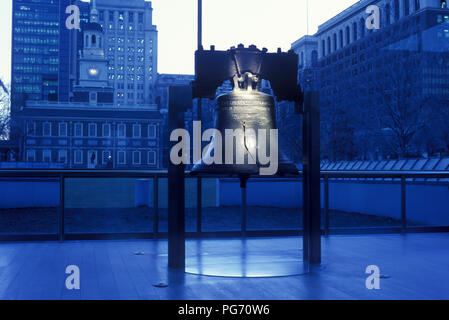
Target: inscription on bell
point(246, 102)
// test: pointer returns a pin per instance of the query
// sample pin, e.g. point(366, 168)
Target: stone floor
point(414, 266)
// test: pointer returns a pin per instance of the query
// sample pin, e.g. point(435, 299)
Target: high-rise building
point(378, 85)
point(131, 49)
point(45, 54)
point(41, 51)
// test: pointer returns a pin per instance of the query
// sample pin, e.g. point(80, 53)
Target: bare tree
point(290, 131)
point(338, 125)
point(401, 111)
point(11, 127)
point(5, 111)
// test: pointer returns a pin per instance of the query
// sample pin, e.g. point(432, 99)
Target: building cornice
point(346, 14)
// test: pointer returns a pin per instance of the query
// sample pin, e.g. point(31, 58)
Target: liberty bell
point(245, 141)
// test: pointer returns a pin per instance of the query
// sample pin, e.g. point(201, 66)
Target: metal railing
point(402, 177)
point(68, 105)
point(327, 177)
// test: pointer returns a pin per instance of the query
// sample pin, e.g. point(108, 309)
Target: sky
point(266, 23)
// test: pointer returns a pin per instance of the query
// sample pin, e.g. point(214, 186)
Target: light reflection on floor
point(416, 266)
point(245, 258)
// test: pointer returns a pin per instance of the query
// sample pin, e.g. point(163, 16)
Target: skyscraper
point(41, 55)
point(131, 48)
point(381, 87)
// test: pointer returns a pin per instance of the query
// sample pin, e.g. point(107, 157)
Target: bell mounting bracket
point(213, 67)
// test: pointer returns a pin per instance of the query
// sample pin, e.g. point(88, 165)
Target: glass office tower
point(41, 51)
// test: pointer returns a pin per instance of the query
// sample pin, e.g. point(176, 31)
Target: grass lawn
point(122, 220)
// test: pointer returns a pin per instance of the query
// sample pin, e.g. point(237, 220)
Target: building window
point(323, 47)
point(152, 131)
point(136, 157)
point(417, 5)
point(111, 16)
point(63, 129)
point(335, 42)
point(354, 31)
point(92, 159)
point(47, 129)
point(31, 155)
point(107, 155)
point(314, 58)
point(140, 17)
point(78, 129)
point(122, 130)
point(78, 157)
point(388, 14)
point(31, 128)
point(106, 130)
point(329, 45)
point(92, 129)
point(46, 156)
point(341, 38)
point(362, 28)
point(348, 35)
point(62, 156)
point(121, 157)
point(406, 7)
point(396, 10)
point(136, 131)
point(151, 158)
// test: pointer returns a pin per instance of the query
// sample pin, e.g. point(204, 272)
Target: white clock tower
point(93, 75)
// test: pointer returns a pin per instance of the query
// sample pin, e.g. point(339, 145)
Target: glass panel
point(109, 205)
point(274, 204)
point(29, 206)
point(163, 204)
point(427, 204)
point(364, 203)
point(221, 205)
point(191, 203)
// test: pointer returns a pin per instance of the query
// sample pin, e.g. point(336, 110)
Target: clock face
point(93, 71)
